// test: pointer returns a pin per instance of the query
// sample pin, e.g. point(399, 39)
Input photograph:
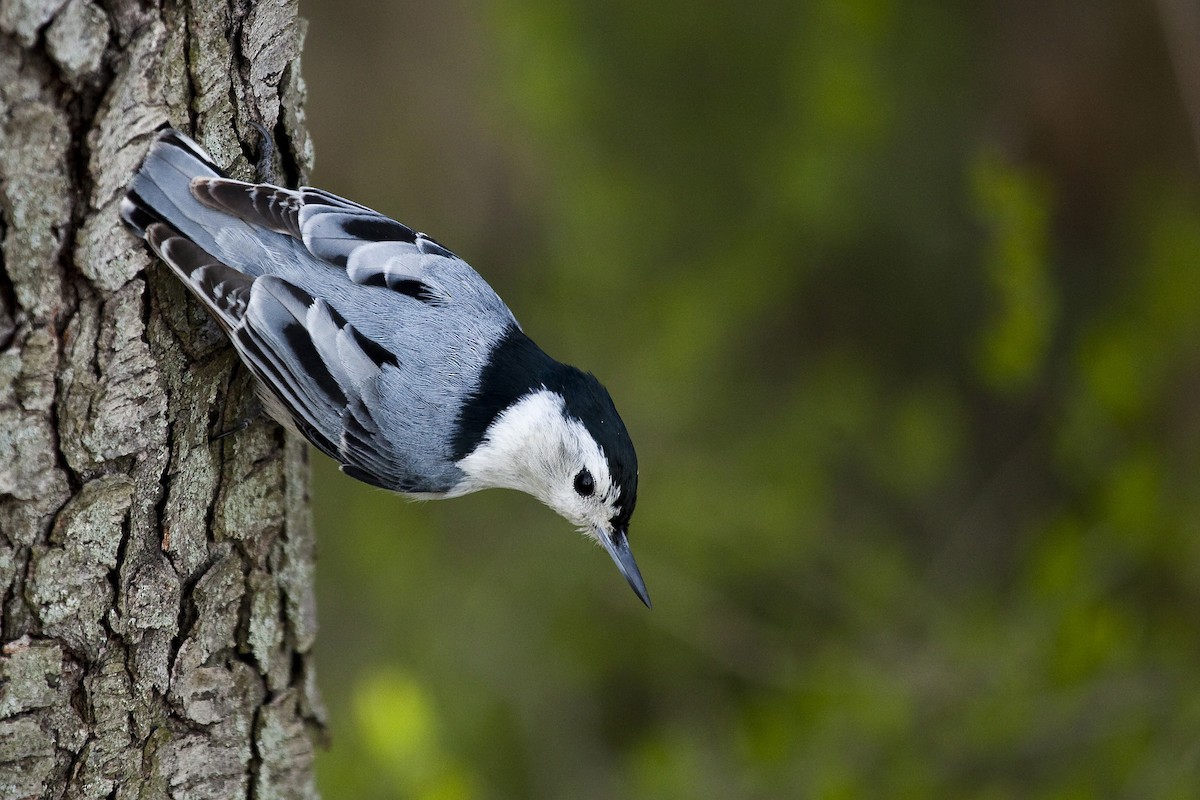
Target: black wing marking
point(224, 290)
point(261, 318)
point(259, 204)
point(373, 249)
point(334, 233)
point(323, 371)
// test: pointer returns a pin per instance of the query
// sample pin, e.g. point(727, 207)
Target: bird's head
point(565, 444)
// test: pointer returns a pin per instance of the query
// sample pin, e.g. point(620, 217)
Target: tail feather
point(161, 191)
point(137, 214)
point(183, 144)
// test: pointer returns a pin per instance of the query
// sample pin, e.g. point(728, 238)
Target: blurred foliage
point(901, 304)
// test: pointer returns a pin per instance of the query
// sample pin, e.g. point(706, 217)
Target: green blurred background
point(901, 305)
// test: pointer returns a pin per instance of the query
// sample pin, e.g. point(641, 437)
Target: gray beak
point(617, 545)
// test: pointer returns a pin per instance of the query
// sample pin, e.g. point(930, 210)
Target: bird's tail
point(161, 191)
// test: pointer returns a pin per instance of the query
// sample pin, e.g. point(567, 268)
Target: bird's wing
point(320, 368)
point(373, 249)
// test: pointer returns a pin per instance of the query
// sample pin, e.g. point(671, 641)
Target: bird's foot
point(252, 413)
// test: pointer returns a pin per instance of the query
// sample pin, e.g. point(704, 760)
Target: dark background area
point(901, 305)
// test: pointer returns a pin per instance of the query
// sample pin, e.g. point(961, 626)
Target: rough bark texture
point(158, 612)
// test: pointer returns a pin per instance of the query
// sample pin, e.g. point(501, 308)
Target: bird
point(385, 350)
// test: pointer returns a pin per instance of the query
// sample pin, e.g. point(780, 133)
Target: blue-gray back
point(403, 326)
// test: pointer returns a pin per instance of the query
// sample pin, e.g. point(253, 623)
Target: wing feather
point(373, 249)
point(254, 255)
point(224, 290)
point(271, 207)
point(323, 372)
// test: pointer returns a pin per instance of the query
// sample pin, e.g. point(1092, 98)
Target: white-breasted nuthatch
point(384, 349)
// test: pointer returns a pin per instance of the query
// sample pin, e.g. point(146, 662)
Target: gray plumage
point(385, 350)
point(292, 242)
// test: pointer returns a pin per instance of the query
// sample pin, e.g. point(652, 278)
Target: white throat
point(525, 448)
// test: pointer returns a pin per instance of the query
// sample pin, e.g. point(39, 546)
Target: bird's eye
point(585, 484)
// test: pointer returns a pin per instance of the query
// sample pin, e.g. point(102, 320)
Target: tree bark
point(156, 580)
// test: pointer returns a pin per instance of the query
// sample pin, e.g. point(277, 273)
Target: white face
point(535, 448)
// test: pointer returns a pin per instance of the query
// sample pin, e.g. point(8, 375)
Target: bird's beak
point(617, 545)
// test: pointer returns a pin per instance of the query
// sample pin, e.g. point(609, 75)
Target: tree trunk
point(158, 613)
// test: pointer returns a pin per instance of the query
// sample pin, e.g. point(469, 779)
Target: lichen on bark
point(155, 578)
